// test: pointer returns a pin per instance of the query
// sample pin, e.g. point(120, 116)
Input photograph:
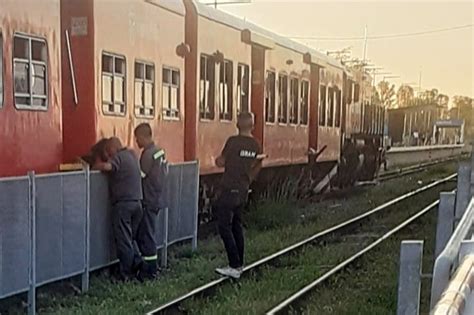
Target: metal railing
point(57, 226)
point(453, 234)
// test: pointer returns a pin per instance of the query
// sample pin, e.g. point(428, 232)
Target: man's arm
point(220, 160)
point(104, 166)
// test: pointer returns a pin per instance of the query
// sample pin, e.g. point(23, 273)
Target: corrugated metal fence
point(57, 226)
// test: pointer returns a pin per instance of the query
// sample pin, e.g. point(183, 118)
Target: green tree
point(387, 94)
point(405, 95)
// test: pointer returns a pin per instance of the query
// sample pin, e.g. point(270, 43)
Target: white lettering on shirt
point(248, 154)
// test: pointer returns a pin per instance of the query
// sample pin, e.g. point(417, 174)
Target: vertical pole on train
point(32, 269)
point(445, 224)
point(85, 274)
point(409, 279)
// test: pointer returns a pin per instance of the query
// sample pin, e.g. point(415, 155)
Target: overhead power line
point(388, 36)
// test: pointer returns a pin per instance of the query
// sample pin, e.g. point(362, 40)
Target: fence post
point(463, 189)
point(85, 274)
point(409, 278)
point(445, 224)
point(32, 271)
point(472, 174)
point(196, 204)
point(164, 251)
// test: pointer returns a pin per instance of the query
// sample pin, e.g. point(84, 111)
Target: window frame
point(273, 104)
point(283, 75)
point(170, 86)
point(211, 104)
point(113, 74)
point(297, 96)
point(306, 83)
point(226, 116)
point(30, 62)
point(322, 119)
point(242, 67)
point(144, 81)
point(338, 108)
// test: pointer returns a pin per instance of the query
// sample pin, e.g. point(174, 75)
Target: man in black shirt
point(154, 169)
point(126, 196)
point(242, 160)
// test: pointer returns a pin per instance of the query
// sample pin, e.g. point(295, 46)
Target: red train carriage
point(229, 53)
point(30, 95)
point(218, 85)
point(123, 64)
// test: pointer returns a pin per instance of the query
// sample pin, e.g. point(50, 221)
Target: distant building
point(413, 125)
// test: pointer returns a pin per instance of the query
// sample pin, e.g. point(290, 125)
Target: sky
point(445, 59)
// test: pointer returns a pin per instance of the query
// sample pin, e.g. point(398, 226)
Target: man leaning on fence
point(153, 170)
point(126, 198)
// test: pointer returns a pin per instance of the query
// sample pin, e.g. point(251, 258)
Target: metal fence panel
point(60, 226)
point(102, 245)
point(181, 193)
point(14, 236)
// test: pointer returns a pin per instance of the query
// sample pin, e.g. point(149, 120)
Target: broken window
point(283, 99)
point(30, 72)
point(225, 90)
point(304, 102)
point(322, 105)
point(294, 100)
point(270, 97)
point(206, 87)
point(243, 88)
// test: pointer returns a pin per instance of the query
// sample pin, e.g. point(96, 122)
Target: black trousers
point(147, 238)
point(126, 219)
point(229, 217)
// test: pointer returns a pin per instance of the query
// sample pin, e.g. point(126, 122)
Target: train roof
point(241, 24)
point(175, 6)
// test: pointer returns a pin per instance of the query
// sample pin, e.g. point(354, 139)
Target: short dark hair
point(143, 129)
point(245, 120)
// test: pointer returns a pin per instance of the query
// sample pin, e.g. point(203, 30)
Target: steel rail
point(302, 292)
point(206, 287)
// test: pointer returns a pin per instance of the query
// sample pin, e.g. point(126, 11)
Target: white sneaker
point(229, 272)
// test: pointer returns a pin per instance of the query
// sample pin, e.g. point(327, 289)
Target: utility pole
point(365, 43)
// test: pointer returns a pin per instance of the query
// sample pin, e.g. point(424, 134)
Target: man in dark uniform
point(153, 169)
point(126, 196)
point(242, 160)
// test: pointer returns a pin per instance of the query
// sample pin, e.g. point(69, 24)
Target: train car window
point(283, 99)
point(330, 107)
point(338, 107)
point(225, 90)
point(30, 61)
point(356, 92)
point(171, 92)
point(144, 89)
point(304, 102)
point(206, 87)
point(294, 100)
point(113, 84)
point(1, 70)
point(243, 87)
point(270, 97)
point(350, 93)
point(322, 105)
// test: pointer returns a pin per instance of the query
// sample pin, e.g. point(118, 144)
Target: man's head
point(143, 135)
point(245, 122)
point(113, 146)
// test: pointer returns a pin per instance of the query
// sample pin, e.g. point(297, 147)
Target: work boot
point(148, 271)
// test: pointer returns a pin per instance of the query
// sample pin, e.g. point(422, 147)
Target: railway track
point(404, 171)
point(295, 300)
point(174, 305)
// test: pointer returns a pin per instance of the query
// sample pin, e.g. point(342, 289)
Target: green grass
point(270, 228)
